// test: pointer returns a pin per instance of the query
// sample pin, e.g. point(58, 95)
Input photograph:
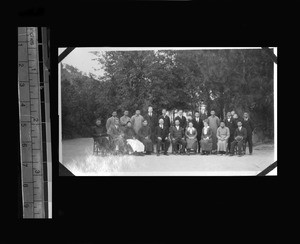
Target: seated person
point(134, 145)
point(222, 134)
point(191, 138)
point(177, 137)
point(240, 136)
point(206, 139)
point(144, 136)
point(117, 136)
point(100, 136)
point(162, 133)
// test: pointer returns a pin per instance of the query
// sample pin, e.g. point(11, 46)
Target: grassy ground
point(77, 156)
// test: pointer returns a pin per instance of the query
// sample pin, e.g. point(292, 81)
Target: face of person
point(205, 124)
point(197, 115)
point(150, 109)
point(145, 123)
point(164, 111)
point(180, 112)
point(212, 113)
point(98, 122)
point(114, 114)
point(235, 116)
point(117, 122)
point(239, 124)
point(161, 121)
point(190, 125)
point(232, 113)
point(129, 124)
point(177, 122)
point(126, 113)
point(245, 115)
point(228, 115)
point(222, 124)
point(138, 112)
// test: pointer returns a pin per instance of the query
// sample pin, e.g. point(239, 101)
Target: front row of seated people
point(126, 140)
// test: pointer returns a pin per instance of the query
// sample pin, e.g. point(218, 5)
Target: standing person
point(223, 134)
point(137, 121)
point(117, 136)
point(110, 121)
point(236, 119)
point(145, 137)
point(152, 123)
point(248, 125)
point(198, 125)
point(214, 123)
point(166, 118)
point(177, 137)
point(229, 123)
point(100, 136)
point(182, 119)
point(162, 136)
point(191, 138)
point(134, 145)
point(124, 119)
point(240, 136)
point(206, 139)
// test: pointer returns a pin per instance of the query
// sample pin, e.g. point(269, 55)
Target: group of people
point(138, 134)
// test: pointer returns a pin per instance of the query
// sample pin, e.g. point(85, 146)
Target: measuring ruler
point(34, 117)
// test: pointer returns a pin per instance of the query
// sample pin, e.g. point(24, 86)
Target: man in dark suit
point(166, 118)
point(248, 124)
point(182, 119)
point(162, 136)
point(177, 137)
point(240, 135)
point(152, 123)
point(229, 123)
point(198, 124)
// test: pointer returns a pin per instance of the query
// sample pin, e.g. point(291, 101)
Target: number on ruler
point(25, 164)
point(21, 65)
point(22, 84)
point(24, 144)
point(35, 119)
point(23, 125)
point(25, 185)
point(26, 205)
point(37, 171)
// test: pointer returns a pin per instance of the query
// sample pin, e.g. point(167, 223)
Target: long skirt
point(136, 145)
point(222, 145)
point(191, 143)
point(206, 145)
point(148, 145)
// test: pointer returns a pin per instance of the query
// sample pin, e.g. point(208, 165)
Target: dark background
point(150, 209)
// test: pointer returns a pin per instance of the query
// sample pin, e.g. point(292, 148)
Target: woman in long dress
point(223, 134)
point(206, 139)
point(144, 136)
point(135, 146)
point(191, 138)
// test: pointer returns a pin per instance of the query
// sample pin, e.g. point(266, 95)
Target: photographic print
point(167, 111)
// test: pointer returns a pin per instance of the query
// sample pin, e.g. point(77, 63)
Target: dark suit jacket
point(198, 126)
point(242, 133)
point(182, 121)
point(115, 132)
point(99, 131)
point(167, 121)
point(163, 133)
point(230, 125)
point(248, 125)
point(152, 121)
point(176, 134)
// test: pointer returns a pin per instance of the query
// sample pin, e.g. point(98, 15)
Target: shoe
point(230, 154)
point(167, 154)
point(157, 154)
point(240, 155)
point(250, 153)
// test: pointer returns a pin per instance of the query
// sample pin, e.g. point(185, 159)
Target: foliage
point(225, 79)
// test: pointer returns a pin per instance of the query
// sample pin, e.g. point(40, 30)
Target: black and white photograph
point(167, 111)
